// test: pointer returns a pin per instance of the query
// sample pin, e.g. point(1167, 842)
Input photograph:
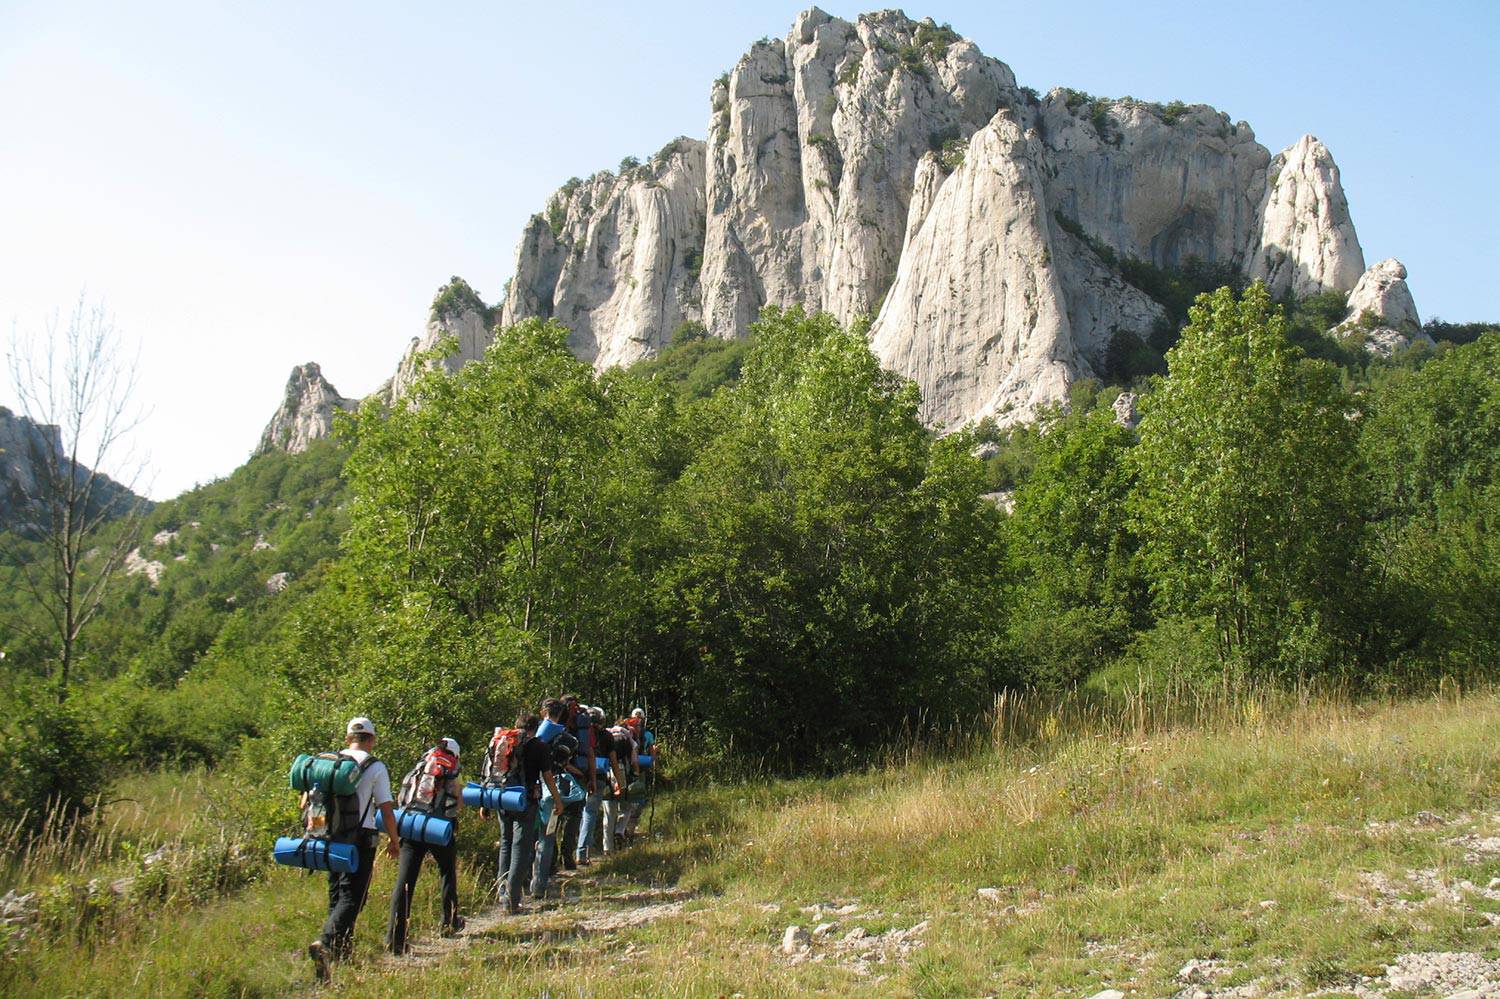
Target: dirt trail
point(585, 905)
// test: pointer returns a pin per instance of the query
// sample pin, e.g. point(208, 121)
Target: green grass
point(1121, 845)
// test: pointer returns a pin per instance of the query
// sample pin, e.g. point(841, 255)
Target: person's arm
point(552, 788)
point(393, 835)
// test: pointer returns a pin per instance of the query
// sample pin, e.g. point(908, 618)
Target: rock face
point(1383, 294)
point(456, 312)
point(813, 147)
point(977, 316)
point(33, 464)
point(886, 166)
point(1382, 310)
point(23, 446)
point(1307, 242)
point(305, 414)
point(616, 258)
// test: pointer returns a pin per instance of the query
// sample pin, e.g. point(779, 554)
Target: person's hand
point(392, 849)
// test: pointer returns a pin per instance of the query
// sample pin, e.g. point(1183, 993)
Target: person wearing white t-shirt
point(346, 892)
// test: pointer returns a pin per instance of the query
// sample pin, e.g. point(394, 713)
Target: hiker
point(564, 748)
point(580, 725)
point(623, 745)
point(602, 747)
point(432, 787)
point(639, 789)
point(518, 758)
point(347, 891)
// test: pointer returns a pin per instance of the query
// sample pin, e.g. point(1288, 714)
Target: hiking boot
point(514, 908)
point(570, 865)
point(456, 928)
point(319, 960)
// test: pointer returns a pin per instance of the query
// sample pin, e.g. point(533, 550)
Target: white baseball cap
point(360, 726)
point(451, 745)
point(638, 713)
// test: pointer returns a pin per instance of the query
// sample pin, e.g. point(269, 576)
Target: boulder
point(1381, 293)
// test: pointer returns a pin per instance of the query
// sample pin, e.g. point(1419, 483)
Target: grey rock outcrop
point(976, 316)
point(33, 463)
point(456, 312)
point(887, 166)
point(813, 147)
point(1162, 188)
point(306, 412)
point(1306, 242)
point(1382, 294)
point(616, 258)
point(23, 446)
point(1126, 414)
point(1382, 310)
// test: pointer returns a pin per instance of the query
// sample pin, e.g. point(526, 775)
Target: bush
point(50, 763)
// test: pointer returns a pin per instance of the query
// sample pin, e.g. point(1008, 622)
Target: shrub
point(50, 763)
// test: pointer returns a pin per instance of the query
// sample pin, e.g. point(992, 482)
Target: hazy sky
point(251, 186)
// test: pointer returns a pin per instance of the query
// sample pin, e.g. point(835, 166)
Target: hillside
point(1167, 847)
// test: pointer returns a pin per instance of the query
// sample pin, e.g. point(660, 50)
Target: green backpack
point(331, 782)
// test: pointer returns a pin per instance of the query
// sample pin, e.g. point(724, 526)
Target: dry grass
point(1121, 839)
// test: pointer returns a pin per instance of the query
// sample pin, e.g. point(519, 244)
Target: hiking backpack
point(502, 762)
point(425, 786)
point(331, 781)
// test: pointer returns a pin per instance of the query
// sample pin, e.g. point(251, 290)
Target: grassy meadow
point(1288, 844)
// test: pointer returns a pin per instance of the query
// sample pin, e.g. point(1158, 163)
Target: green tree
point(1247, 503)
point(835, 567)
point(1077, 593)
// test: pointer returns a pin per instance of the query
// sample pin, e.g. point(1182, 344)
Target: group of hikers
point(573, 785)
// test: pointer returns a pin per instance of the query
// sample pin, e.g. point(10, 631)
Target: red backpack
point(504, 756)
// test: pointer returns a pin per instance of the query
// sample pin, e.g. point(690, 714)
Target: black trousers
point(572, 819)
point(346, 897)
point(412, 853)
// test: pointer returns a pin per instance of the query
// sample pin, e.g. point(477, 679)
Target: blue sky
point(250, 186)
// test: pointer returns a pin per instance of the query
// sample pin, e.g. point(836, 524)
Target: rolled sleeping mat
point(496, 799)
point(645, 760)
point(423, 828)
point(549, 730)
point(342, 774)
point(316, 854)
point(601, 764)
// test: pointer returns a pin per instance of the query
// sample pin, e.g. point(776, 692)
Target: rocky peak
point(887, 165)
point(1306, 242)
point(457, 311)
point(306, 412)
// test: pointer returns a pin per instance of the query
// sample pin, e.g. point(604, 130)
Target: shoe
point(570, 865)
point(514, 908)
point(454, 930)
point(319, 960)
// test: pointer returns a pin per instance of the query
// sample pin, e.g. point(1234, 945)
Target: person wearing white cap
point(346, 892)
point(432, 786)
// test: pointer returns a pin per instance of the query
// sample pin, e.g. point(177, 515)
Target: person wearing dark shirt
point(518, 830)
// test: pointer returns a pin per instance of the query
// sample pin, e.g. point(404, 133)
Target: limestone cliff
point(1306, 243)
point(456, 312)
point(305, 414)
point(616, 258)
point(886, 166)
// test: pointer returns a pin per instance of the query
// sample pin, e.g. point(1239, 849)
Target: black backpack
point(336, 816)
